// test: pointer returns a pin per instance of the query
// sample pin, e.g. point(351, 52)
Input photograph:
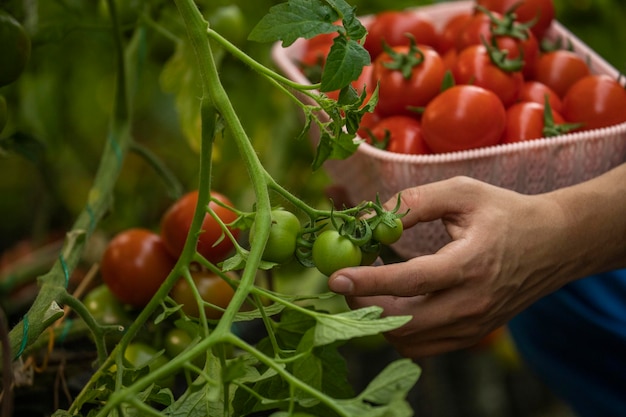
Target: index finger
point(417, 276)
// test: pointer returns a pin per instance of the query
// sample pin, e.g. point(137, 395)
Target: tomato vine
point(297, 368)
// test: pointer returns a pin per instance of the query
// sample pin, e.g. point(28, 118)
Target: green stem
point(174, 187)
point(261, 69)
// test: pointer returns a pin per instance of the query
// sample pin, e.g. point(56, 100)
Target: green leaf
point(180, 77)
point(334, 148)
point(355, 323)
point(295, 19)
point(344, 64)
point(393, 382)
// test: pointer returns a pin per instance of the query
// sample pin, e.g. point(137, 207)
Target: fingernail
point(341, 285)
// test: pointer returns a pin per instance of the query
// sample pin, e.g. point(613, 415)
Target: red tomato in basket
point(474, 66)
point(475, 29)
point(316, 50)
point(463, 117)
point(391, 27)
point(526, 10)
point(596, 101)
point(400, 134)
point(451, 30)
point(368, 121)
point(527, 50)
point(397, 94)
point(560, 69)
point(537, 92)
point(526, 121)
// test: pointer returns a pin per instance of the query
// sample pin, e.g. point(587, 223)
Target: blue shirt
point(575, 340)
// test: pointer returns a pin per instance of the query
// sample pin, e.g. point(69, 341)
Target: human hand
point(507, 251)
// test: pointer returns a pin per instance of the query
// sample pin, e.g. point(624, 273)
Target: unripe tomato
point(212, 289)
point(135, 264)
point(386, 234)
point(332, 251)
point(139, 355)
point(281, 243)
point(105, 307)
point(176, 222)
point(230, 22)
point(14, 48)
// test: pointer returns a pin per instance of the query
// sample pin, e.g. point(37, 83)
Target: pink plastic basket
point(530, 167)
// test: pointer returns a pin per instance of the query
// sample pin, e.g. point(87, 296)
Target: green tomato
point(229, 22)
point(3, 113)
point(105, 307)
point(282, 240)
point(332, 251)
point(139, 355)
point(14, 48)
point(386, 234)
point(176, 341)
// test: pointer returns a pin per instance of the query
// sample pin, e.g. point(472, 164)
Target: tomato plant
point(595, 101)
point(213, 290)
point(135, 264)
point(140, 355)
point(212, 244)
point(15, 46)
point(332, 251)
point(390, 28)
point(463, 117)
point(400, 134)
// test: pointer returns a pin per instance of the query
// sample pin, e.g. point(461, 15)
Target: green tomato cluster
point(328, 249)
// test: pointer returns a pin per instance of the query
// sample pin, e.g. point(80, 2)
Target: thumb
point(417, 276)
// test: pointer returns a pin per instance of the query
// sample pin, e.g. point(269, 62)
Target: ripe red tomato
point(176, 222)
point(412, 84)
point(526, 50)
point(213, 290)
point(536, 92)
point(526, 11)
point(392, 26)
point(400, 134)
point(475, 29)
point(474, 66)
point(135, 264)
point(560, 69)
point(463, 117)
point(451, 30)
point(596, 101)
point(526, 121)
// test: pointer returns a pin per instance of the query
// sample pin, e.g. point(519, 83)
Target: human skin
point(507, 251)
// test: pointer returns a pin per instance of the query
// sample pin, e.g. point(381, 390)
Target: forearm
point(594, 215)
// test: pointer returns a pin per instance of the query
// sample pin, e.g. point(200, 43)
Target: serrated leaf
point(295, 19)
point(354, 323)
point(393, 382)
point(338, 148)
point(344, 64)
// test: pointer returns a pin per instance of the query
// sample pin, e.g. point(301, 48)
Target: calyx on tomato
point(550, 128)
point(500, 58)
point(404, 62)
